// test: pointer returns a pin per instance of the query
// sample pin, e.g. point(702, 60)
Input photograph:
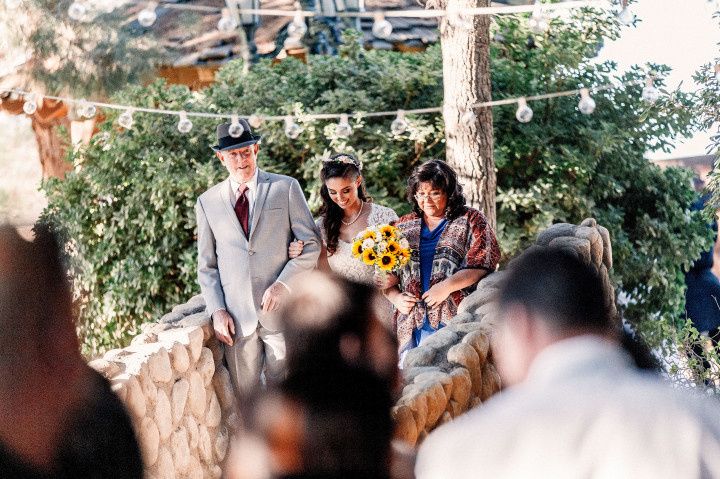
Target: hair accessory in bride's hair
point(344, 158)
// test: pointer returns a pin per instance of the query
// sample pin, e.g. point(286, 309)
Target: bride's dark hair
point(341, 165)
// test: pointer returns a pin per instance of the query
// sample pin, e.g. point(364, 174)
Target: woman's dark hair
point(341, 165)
point(440, 176)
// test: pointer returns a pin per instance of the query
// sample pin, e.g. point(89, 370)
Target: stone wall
point(453, 370)
point(178, 393)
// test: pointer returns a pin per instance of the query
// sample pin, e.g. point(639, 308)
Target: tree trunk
point(51, 147)
point(466, 79)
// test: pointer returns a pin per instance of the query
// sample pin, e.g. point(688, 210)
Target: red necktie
point(242, 209)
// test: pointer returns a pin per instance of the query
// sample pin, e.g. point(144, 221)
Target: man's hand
point(224, 326)
point(404, 302)
point(438, 293)
point(295, 249)
point(273, 297)
point(384, 281)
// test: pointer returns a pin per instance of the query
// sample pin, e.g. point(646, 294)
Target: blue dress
point(428, 244)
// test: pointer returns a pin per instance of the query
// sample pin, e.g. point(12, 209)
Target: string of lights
point(87, 109)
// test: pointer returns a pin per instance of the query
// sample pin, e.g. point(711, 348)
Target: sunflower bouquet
point(382, 246)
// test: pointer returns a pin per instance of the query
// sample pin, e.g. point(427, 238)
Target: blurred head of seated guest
point(332, 322)
point(576, 405)
point(58, 418)
point(333, 423)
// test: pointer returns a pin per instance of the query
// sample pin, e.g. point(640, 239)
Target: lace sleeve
point(383, 215)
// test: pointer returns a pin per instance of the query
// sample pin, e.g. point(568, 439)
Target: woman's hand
point(404, 302)
point(295, 249)
point(435, 296)
point(384, 281)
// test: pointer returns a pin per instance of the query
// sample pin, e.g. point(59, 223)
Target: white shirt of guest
point(251, 193)
point(583, 412)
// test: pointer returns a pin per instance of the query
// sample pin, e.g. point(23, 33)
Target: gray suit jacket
point(234, 271)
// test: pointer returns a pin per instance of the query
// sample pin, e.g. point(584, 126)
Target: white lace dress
point(342, 261)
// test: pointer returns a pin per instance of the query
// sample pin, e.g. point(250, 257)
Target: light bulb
point(292, 43)
point(650, 94)
point(77, 11)
point(89, 110)
point(524, 113)
point(626, 16)
point(717, 72)
point(468, 117)
point(126, 119)
point(538, 24)
point(83, 109)
point(30, 105)
point(11, 4)
point(399, 124)
point(297, 28)
point(255, 121)
point(586, 105)
point(381, 27)
point(343, 128)
point(227, 23)
point(184, 124)
point(147, 15)
point(292, 129)
point(235, 129)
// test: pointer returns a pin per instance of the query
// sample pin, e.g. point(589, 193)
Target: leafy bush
point(127, 211)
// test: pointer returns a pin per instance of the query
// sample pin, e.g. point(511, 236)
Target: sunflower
point(404, 256)
point(357, 248)
point(369, 257)
point(387, 262)
point(387, 232)
point(392, 247)
point(368, 234)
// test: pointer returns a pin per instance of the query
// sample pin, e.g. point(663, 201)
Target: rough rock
point(149, 439)
point(180, 392)
point(405, 427)
point(607, 247)
point(480, 341)
point(165, 467)
point(197, 395)
point(163, 415)
point(420, 356)
point(221, 444)
point(409, 374)
point(462, 387)
point(557, 230)
point(206, 366)
point(223, 388)
point(579, 246)
point(490, 382)
point(205, 445)
point(477, 299)
point(214, 413)
point(180, 358)
point(181, 450)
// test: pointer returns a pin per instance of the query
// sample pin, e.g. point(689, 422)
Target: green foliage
point(127, 208)
point(94, 57)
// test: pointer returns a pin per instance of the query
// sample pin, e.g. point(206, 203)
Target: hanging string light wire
point(328, 116)
point(418, 13)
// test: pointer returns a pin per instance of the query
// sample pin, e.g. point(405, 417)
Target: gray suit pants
point(248, 357)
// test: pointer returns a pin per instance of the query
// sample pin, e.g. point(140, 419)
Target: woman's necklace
point(348, 223)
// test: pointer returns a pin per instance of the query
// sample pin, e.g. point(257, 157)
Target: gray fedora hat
point(227, 142)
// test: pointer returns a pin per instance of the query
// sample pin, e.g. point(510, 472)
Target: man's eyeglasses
point(433, 195)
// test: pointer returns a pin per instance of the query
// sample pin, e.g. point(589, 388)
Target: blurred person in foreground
point(58, 417)
point(576, 405)
point(330, 418)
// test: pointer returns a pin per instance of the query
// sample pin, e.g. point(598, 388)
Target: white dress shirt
point(251, 193)
point(583, 412)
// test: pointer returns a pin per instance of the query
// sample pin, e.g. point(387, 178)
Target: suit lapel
point(263, 186)
point(227, 202)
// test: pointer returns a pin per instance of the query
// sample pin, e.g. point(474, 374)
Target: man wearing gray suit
point(245, 225)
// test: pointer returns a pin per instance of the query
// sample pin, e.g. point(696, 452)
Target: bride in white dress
point(346, 211)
